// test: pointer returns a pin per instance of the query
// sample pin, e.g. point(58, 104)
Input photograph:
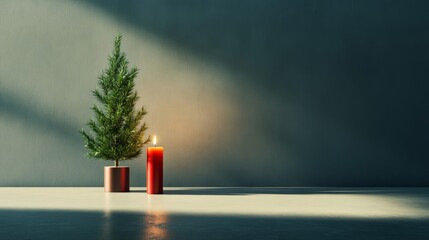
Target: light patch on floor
point(316, 202)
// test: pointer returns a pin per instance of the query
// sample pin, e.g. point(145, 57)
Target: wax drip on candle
point(154, 141)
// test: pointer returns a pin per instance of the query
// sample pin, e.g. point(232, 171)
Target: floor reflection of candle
point(155, 220)
point(156, 225)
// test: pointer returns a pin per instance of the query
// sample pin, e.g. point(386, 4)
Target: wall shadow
point(38, 118)
point(354, 73)
point(60, 224)
point(327, 93)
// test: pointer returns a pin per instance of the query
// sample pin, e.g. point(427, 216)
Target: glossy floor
point(215, 213)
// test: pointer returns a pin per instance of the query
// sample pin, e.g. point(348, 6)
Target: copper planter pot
point(116, 179)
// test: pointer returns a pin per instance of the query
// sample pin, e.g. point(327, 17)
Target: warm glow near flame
point(154, 140)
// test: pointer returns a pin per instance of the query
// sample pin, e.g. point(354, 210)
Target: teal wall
point(239, 93)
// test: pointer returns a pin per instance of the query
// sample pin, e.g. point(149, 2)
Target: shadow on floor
point(291, 190)
point(42, 224)
point(137, 191)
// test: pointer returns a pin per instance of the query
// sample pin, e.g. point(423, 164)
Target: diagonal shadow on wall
point(355, 69)
point(22, 111)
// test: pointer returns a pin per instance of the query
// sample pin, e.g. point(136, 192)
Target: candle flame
point(154, 140)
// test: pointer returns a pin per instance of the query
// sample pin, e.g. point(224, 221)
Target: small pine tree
point(117, 132)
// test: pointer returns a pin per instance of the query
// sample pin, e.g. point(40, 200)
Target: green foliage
point(117, 132)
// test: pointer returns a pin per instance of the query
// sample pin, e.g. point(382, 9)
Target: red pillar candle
point(154, 170)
